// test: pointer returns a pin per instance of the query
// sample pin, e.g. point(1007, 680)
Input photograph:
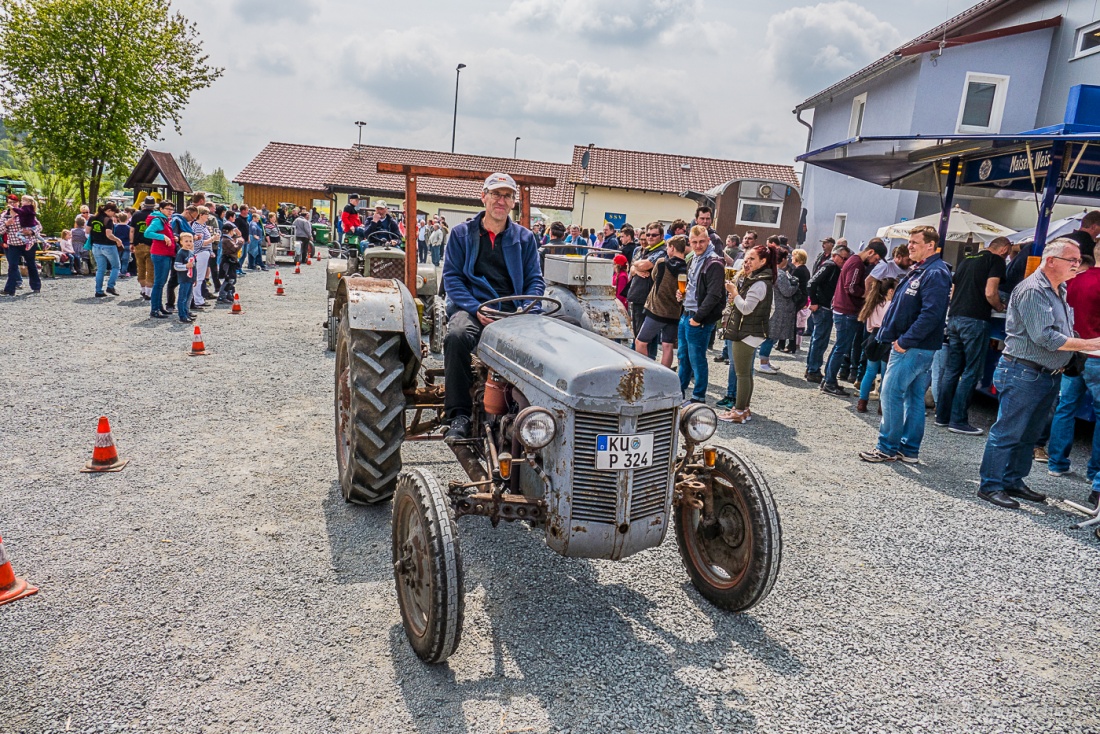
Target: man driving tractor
point(381, 221)
point(488, 257)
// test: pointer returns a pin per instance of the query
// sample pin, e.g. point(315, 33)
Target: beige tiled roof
point(667, 173)
point(292, 166)
point(358, 172)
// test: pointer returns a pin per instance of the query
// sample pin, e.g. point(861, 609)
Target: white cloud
point(811, 47)
point(609, 21)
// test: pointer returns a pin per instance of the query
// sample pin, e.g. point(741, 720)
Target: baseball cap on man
point(353, 196)
point(500, 181)
point(380, 205)
point(829, 239)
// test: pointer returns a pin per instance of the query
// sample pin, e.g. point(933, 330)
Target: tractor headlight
point(420, 281)
point(536, 427)
point(698, 422)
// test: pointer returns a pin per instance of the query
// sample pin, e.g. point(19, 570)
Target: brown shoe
point(861, 406)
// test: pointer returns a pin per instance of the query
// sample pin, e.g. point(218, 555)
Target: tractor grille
point(596, 492)
point(387, 267)
point(650, 488)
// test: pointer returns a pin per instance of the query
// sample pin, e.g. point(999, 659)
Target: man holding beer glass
point(704, 296)
point(662, 305)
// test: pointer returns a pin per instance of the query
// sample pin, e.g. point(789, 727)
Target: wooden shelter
point(157, 173)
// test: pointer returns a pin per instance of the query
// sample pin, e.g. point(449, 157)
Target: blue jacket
point(466, 291)
point(387, 224)
point(917, 316)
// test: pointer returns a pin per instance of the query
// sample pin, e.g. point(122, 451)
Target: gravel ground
point(220, 583)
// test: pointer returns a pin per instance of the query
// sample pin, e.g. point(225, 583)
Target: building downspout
point(809, 136)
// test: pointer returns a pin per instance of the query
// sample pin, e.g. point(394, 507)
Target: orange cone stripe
point(11, 587)
point(7, 575)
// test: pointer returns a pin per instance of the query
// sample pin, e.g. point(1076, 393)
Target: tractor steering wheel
point(383, 238)
point(494, 313)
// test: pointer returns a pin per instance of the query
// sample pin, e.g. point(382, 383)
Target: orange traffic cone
point(198, 348)
point(278, 278)
point(11, 586)
point(236, 303)
point(318, 256)
point(104, 454)
point(297, 269)
point(279, 290)
point(309, 260)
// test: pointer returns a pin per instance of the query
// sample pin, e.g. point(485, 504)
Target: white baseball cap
point(501, 181)
point(380, 205)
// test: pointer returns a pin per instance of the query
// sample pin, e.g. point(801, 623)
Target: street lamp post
point(454, 121)
point(515, 147)
point(359, 124)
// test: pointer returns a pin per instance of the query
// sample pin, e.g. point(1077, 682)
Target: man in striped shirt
point(1039, 340)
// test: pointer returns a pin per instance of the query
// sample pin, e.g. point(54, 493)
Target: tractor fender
point(382, 305)
point(337, 269)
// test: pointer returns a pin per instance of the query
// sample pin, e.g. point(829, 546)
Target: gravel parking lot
point(221, 584)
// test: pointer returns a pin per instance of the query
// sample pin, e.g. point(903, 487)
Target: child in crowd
point(227, 265)
point(620, 278)
point(185, 275)
point(79, 237)
point(874, 309)
point(122, 231)
point(66, 245)
point(28, 221)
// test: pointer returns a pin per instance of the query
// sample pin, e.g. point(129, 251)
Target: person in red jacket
point(847, 303)
point(349, 218)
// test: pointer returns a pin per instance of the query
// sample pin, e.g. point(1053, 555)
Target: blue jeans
point(964, 361)
point(1027, 399)
point(869, 375)
point(846, 327)
point(692, 355)
point(765, 350)
point(437, 254)
point(104, 255)
point(124, 260)
point(822, 322)
point(183, 300)
point(1074, 390)
point(162, 267)
point(902, 400)
point(17, 255)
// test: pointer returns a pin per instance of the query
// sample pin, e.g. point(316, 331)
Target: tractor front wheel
point(734, 561)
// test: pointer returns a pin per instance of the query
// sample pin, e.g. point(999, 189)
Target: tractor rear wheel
point(734, 562)
point(370, 412)
point(427, 567)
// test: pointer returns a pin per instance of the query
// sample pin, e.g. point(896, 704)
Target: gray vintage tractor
point(383, 258)
point(584, 440)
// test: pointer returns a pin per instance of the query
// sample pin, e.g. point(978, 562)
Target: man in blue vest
point(487, 257)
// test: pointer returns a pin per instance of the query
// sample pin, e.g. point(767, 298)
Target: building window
point(855, 124)
point(840, 222)
point(983, 103)
point(763, 213)
point(1088, 41)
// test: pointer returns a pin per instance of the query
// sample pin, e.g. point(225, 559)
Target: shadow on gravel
point(91, 300)
point(595, 656)
point(1050, 514)
point(358, 539)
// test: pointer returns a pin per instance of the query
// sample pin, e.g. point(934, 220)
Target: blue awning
point(1001, 166)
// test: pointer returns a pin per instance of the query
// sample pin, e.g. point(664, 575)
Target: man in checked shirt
point(1039, 343)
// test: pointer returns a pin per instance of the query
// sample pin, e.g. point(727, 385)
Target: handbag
point(1076, 366)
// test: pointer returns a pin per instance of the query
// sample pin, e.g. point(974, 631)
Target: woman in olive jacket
point(745, 323)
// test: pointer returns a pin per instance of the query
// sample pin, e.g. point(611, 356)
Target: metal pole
point(359, 124)
point(1050, 188)
point(454, 120)
point(515, 147)
point(948, 200)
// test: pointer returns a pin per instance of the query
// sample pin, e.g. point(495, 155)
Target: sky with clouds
point(695, 77)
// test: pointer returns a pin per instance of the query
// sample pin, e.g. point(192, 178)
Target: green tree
point(134, 67)
point(217, 183)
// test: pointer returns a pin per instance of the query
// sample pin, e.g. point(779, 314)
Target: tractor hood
point(582, 370)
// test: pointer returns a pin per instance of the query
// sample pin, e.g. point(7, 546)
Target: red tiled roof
point(292, 166)
point(942, 31)
point(667, 173)
point(359, 173)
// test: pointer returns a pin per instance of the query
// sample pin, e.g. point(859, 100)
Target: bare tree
point(191, 168)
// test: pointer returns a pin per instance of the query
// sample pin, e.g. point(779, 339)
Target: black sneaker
point(158, 315)
point(874, 456)
point(814, 377)
point(146, 297)
point(459, 429)
point(100, 294)
point(965, 428)
point(169, 309)
point(112, 291)
point(842, 376)
point(834, 390)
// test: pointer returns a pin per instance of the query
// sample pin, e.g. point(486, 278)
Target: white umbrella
point(961, 227)
point(1054, 229)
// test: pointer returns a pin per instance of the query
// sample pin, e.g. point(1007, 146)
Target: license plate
point(621, 452)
